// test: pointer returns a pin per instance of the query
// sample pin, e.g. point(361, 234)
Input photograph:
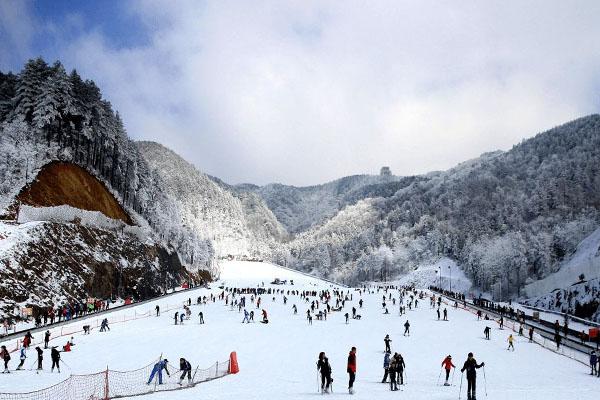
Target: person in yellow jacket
point(511, 344)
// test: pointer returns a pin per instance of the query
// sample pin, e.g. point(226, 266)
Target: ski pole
point(484, 381)
point(439, 375)
point(460, 389)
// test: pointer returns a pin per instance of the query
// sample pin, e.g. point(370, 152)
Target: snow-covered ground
point(277, 360)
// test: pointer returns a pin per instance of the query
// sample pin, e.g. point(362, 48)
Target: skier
point(406, 328)
point(265, 320)
point(438, 314)
point(295, 309)
point(181, 317)
point(386, 366)
point(346, 315)
point(324, 368)
point(501, 322)
point(157, 369)
point(447, 364)
point(186, 368)
point(445, 314)
point(176, 317)
point(46, 339)
point(399, 367)
point(22, 357)
point(40, 357)
point(593, 361)
point(471, 367)
point(55, 356)
point(5, 355)
point(246, 317)
point(351, 369)
point(157, 308)
point(252, 316)
point(201, 316)
point(360, 303)
point(511, 344)
point(486, 332)
point(387, 341)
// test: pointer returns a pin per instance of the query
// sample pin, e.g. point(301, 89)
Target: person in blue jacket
point(158, 367)
point(386, 366)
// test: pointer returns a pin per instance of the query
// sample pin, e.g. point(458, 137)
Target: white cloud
point(303, 92)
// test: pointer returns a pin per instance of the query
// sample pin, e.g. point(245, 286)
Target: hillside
point(300, 208)
point(504, 217)
point(236, 223)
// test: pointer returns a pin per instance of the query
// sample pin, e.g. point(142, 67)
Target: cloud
point(304, 92)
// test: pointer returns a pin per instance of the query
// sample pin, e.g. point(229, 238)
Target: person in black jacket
point(471, 367)
point(55, 356)
point(399, 367)
point(186, 368)
point(324, 368)
point(40, 357)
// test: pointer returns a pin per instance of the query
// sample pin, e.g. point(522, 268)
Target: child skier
point(447, 364)
point(5, 355)
point(511, 344)
point(22, 357)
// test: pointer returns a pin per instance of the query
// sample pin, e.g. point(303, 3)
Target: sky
point(304, 92)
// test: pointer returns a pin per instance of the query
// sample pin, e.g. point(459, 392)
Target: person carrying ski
point(40, 357)
point(511, 344)
point(157, 369)
point(387, 341)
point(351, 369)
point(186, 368)
point(447, 364)
point(471, 367)
point(593, 361)
point(324, 368)
point(406, 328)
point(5, 355)
point(22, 357)
point(386, 366)
point(55, 356)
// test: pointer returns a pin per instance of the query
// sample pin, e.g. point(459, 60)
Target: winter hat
point(166, 361)
point(470, 354)
point(449, 356)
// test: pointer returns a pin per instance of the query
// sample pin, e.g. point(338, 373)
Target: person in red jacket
point(447, 364)
point(351, 369)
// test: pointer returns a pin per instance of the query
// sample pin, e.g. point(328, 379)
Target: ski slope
point(278, 360)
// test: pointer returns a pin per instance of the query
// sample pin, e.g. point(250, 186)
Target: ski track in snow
point(278, 360)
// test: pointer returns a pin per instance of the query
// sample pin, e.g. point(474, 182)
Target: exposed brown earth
point(60, 183)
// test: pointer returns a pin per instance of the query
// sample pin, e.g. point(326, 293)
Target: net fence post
point(106, 387)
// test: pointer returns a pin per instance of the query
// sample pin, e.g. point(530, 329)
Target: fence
point(111, 384)
point(546, 343)
point(76, 325)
